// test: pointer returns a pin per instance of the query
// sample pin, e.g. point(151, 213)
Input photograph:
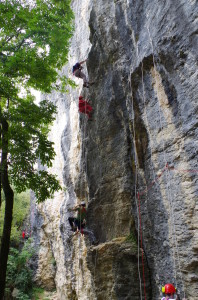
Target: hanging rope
point(141, 239)
point(166, 170)
point(136, 173)
point(175, 243)
point(167, 167)
point(149, 187)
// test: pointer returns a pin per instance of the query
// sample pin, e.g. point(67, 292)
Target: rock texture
point(135, 163)
point(115, 270)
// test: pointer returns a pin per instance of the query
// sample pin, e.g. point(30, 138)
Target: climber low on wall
point(77, 71)
point(78, 224)
point(169, 290)
point(85, 107)
point(80, 221)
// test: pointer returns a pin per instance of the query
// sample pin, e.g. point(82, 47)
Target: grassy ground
point(41, 294)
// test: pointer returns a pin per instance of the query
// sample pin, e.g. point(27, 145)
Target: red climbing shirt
point(84, 106)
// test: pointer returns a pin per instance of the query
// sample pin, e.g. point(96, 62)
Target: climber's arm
point(82, 62)
point(73, 208)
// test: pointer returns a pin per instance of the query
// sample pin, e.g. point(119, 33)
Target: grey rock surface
point(142, 56)
point(145, 63)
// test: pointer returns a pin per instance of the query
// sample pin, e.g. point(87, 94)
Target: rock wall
point(135, 163)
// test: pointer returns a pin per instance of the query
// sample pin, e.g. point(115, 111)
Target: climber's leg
point(88, 110)
point(71, 222)
point(88, 107)
point(77, 223)
point(78, 73)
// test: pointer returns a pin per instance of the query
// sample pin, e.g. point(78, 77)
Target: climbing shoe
point(95, 243)
point(86, 85)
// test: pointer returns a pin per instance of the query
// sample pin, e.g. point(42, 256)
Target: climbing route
point(175, 243)
point(136, 180)
point(156, 178)
point(134, 66)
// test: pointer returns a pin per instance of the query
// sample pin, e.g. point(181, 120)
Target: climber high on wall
point(85, 107)
point(76, 70)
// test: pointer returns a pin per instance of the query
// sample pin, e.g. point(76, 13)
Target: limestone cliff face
point(135, 163)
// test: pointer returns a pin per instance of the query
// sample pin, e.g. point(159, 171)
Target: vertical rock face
point(135, 163)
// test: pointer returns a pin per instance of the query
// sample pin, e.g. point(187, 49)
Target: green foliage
point(53, 261)
point(22, 296)
point(28, 141)
point(34, 44)
point(19, 275)
point(38, 293)
point(20, 212)
point(132, 239)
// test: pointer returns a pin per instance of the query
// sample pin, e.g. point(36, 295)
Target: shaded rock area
point(115, 269)
point(135, 163)
point(143, 56)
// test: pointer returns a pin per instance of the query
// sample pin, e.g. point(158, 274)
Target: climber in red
point(169, 290)
point(85, 107)
point(76, 70)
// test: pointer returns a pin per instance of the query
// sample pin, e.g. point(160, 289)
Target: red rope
point(141, 243)
point(154, 181)
point(167, 167)
point(182, 170)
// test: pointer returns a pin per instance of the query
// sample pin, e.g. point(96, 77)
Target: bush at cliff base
point(19, 275)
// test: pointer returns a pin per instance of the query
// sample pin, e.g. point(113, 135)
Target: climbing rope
point(164, 153)
point(82, 189)
point(141, 244)
point(166, 167)
point(175, 243)
point(166, 170)
point(150, 186)
point(81, 194)
point(136, 174)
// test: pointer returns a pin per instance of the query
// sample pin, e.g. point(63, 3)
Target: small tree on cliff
point(34, 42)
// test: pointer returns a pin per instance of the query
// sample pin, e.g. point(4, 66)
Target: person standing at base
point(23, 234)
point(169, 290)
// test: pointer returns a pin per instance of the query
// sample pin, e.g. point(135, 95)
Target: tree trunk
point(0, 161)
point(0, 165)
point(9, 199)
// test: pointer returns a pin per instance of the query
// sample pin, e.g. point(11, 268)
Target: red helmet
point(81, 97)
point(169, 289)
